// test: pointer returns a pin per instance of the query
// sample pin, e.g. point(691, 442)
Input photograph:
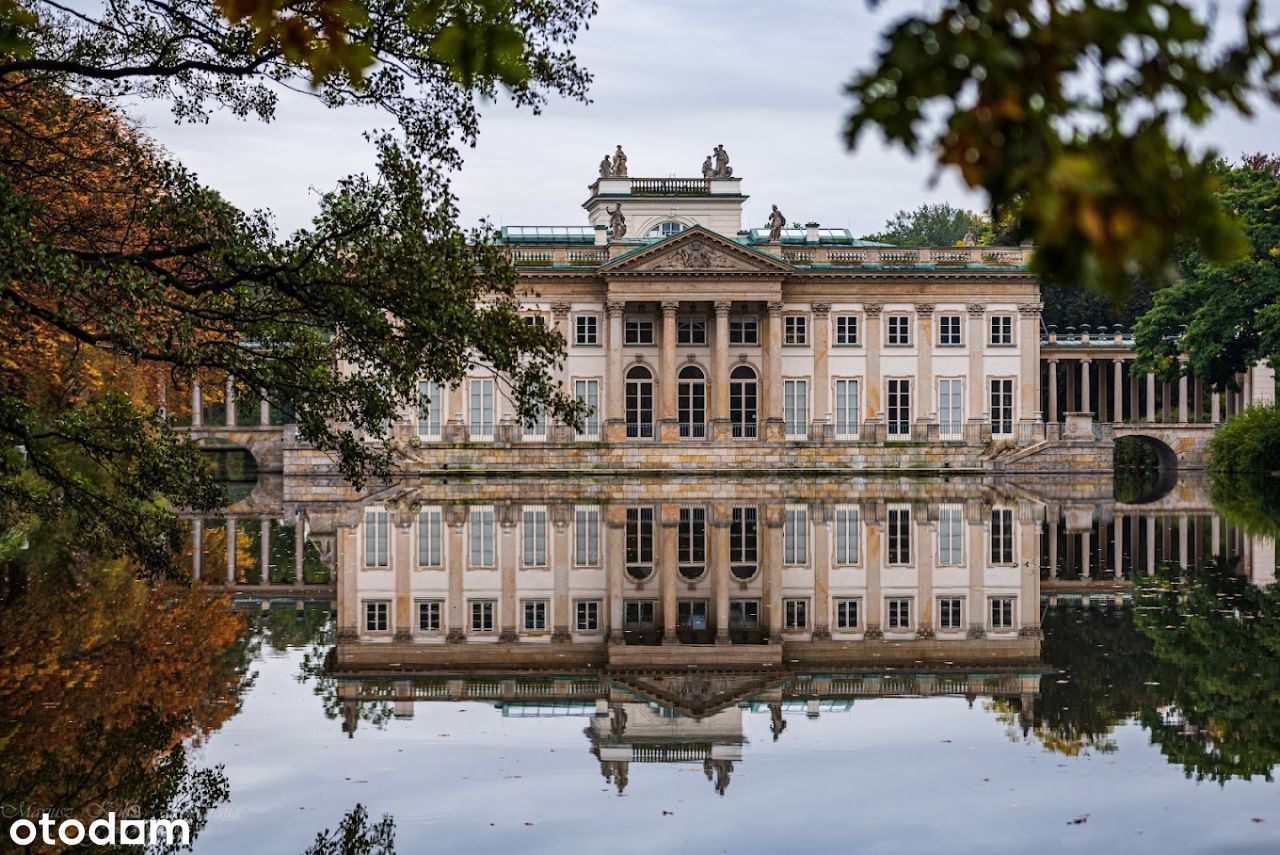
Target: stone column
point(197, 546)
point(508, 550)
point(977, 343)
point(299, 547)
point(1053, 390)
point(1117, 550)
point(457, 563)
point(615, 418)
point(873, 626)
point(1029, 335)
point(924, 573)
point(1086, 553)
point(821, 623)
point(1028, 617)
point(614, 564)
point(1182, 399)
point(979, 527)
point(1117, 410)
point(264, 409)
point(772, 561)
point(821, 414)
point(401, 561)
point(231, 401)
point(347, 579)
point(1151, 546)
point(231, 550)
point(1086, 403)
point(1151, 398)
point(264, 551)
point(775, 427)
point(197, 404)
point(721, 519)
point(668, 568)
point(872, 380)
point(561, 558)
point(1053, 543)
point(1215, 407)
point(668, 427)
point(720, 428)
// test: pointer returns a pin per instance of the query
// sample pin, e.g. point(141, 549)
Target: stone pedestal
point(775, 430)
point(1078, 426)
point(721, 430)
point(615, 430)
point(668, 430)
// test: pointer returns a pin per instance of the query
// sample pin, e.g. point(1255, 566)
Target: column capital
point(615, 307)
point(820, 310)
point(561, 310)
point(669, 307)
point(976, 310)
point(924, 310)
point(773, 308)
point(1030, 310)
point(1086, 360)
point(872, 310)
point(721, 307)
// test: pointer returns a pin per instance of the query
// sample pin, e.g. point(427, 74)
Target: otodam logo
point(105, 831)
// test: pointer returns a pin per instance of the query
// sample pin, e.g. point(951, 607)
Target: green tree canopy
point(937, 224)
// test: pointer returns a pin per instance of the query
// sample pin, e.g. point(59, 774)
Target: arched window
point(691, 398)
point(638, 393)
point(742, 401)
point(667, 229)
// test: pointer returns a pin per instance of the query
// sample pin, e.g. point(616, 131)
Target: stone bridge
point(1181, 446)
point(264, 442)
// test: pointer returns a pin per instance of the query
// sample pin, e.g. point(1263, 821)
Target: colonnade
point(232, 567)
point(1108, 388)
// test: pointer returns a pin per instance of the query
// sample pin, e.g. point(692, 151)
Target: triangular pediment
point(696, 694)
point(696, 250)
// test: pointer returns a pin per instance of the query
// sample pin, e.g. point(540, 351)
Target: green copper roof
point(548, 234)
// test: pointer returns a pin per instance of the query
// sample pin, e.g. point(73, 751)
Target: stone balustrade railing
point(873, 257)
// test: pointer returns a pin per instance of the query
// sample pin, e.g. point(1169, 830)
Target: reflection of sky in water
point(880, 778)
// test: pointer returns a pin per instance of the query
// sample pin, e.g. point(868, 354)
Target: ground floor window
point(1002, 612)
point(377, 616)
point(535, 615)
point(899, 609)
point(638, 613)
point(1001, 407)
point(847, 413)
point(795, 407)
point(797, 613)
point(744, 614)
point(588, 615)
point(691, 614)
point(950, 408)
point(429, 615)
point(847, 613)
point(949, 612)
point(482, 615)
point(898, 410)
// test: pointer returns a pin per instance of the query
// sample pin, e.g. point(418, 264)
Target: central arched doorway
point(743, 414)
point(639, 402)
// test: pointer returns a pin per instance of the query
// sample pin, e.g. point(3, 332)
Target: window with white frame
point(898, 530)
point(480, 530)
point(586, 536)
point(430, 408)
point(481, 408)
point(898, 409)
point(535, 615)
point(744, 614)
point(667, 228)
point(639, 536)
point(586, 615)
point(847, 413)
point(951, 408)
point(587, 391)
point(691, 614)
point(795, 535)
point(847, 609)
point(950, 330)
point(795, 330)
point(586, 330)
point(692, 537)
point(430, 616)
point(377, 616)
point(1001, 330)
point(691, 331)
point(743, 545)
point(795, 407)
point(482, 615)
point(1002, 536)
point(951, 535)
point(846, 331)
point(638, 330)
point(899, 331)
point(1002, 612)
point(950, 613)
point(744, 329)
point(1001, 406)
point(533, 536)
point(796, 612)
point(898, 611)
point(377, 537)
point(639, 613)
point(846, 534)
point(430, 537)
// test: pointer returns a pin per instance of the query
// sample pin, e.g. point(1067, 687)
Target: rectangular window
point(1001, 330)
point(949, 612)
point(899, 409)
point(847, 613)
point(744, 614)
point(795, 407)
point(949, 330)
point(1002, 536)
point(535, 615)
point(795, 330)
point(1002, 406)
point(899, 331)
point(692, 538)
point(848, 414)
point(377, 537)
point(846, 330)
point(430, 537)
point(480, 413)
point(744, 329)
point(481, 534)
point(898, 524)
point(797, 613)
point(742, 536)
point(638, 330)
point(587, 391)
point(533, 536)
point(691, 331)
point(1002, 612)
point(691, 614)
point(429, 615)
point(846, 532)
point(587, 615)
point(899, 609)
point(586, 536)
point(482, 615)
point(586, 330)
point(430, 408)
point(795, 535)
point(639, 538)
point(377, 616)
point(951, 535)
point(638, 613)
point(951, 408)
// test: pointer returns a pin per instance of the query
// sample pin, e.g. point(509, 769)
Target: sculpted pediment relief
point(696, 255)
point(697, 250)
point(696, 694)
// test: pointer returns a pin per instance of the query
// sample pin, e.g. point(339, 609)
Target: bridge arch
point(1146, 468)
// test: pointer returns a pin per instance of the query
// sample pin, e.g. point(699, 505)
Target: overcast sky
point(672, 79)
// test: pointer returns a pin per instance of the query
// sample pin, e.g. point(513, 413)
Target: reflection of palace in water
point(665, 611)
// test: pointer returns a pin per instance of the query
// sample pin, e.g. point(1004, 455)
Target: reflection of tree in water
point(1217, 639)
point(325, 687)
point(1250, 502)
point(284, 626)
point(355, 836)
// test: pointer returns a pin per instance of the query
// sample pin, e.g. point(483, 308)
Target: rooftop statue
point(617, 222)
point(970, 239)
point(619, 163)
point(606, 167)
point(708, 170)
point(722, 169)
point(776, 224)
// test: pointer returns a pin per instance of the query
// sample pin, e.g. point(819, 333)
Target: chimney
point(810, 232)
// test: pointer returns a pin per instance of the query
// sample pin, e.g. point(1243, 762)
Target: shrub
point(1249, 442)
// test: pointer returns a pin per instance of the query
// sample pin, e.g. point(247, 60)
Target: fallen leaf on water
point(1080, 820)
